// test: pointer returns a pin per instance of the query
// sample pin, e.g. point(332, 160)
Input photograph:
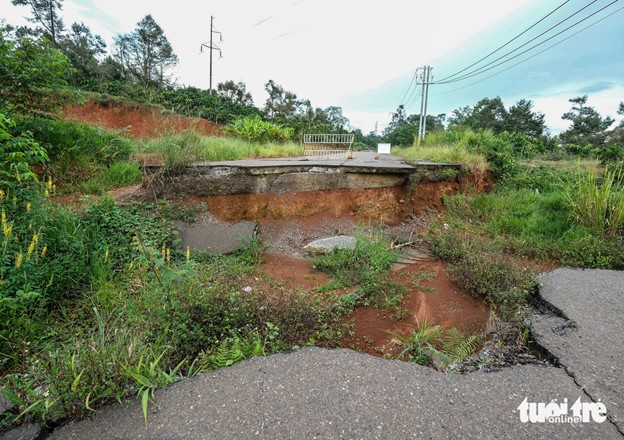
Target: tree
point(146, 53)
point(27, 68)
point(588, 126)
point(335, 119)
point(461, 117)
point(237, 92)
point(489, 114)
point(83, 49)
point(403, 129)
point(46, 13)
point(521, 119)
point(282, 106)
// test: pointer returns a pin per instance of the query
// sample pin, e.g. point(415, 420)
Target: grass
point(441, 153)
point(188, 147)
point(114, 308)
point(117, 175)
point(365, 266)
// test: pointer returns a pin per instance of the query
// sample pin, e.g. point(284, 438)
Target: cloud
point(597, 87)
point(554, 103)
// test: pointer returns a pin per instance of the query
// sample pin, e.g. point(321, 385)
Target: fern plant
point(430, 342)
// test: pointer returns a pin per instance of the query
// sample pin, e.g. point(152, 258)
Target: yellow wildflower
point(49, 184)
point(1, 195)
point(168, 255)
point(28, 206)
point(46, 194)
point(188, 254)
point(20, 259)
point(163, 252)
point(44, 250)
point(31, 249)
point(106, 255)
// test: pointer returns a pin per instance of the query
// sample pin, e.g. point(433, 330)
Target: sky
point(361, 54)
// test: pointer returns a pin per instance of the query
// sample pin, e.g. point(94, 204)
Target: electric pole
point(212, 46)
point(425, 80)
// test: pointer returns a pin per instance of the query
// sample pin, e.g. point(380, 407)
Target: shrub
point(18, 153)
point(254, 129)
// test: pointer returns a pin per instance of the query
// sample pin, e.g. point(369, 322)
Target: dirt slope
point(139, 121)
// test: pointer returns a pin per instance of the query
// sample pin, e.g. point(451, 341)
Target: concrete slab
point(219, 238)
point(331, 394)
point(360, 160)
point(586, 332)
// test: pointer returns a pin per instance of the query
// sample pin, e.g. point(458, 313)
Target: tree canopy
point(146, 53)
point(588, 126)
point(47, 14)
point(491, 114)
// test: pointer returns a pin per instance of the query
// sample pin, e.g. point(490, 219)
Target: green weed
point(598, 201)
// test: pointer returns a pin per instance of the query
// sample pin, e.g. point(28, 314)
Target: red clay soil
point(292, 272)
point(440, 302)
point(390, 205)
point(139, 121)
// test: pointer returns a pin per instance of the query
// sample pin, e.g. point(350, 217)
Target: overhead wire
point(532, 56)
point(508, 42)
point(484, 69)
point(414, 99)
point(409, 87)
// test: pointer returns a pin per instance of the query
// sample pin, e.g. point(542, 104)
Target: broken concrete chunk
point(325, 245)
point(218, 238)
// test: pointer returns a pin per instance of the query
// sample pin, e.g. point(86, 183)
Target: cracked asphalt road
point(327, 394)
point(586, 333)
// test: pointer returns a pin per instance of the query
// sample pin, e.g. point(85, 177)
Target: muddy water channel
point(428, 295)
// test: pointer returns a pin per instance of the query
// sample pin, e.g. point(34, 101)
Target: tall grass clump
point(598, 201)
point(178, 151)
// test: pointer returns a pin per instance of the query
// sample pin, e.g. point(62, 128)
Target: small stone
point(325, 245)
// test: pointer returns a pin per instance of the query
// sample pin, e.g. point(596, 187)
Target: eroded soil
point(139, 121)
point(430, 295)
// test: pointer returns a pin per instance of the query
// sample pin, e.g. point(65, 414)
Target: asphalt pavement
point(332, 394)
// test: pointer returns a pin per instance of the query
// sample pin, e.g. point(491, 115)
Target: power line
point(534, 55)
point(409, 87)
point(483, 69)
point(414, 99)
point(508, 42)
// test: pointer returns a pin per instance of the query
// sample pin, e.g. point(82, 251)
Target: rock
point(27, 431)
point(216, 237)
point(325, 245)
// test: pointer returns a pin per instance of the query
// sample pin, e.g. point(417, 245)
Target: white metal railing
point(328, 146)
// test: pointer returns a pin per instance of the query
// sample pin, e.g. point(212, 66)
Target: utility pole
point(211, 46)
point(422, 123)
